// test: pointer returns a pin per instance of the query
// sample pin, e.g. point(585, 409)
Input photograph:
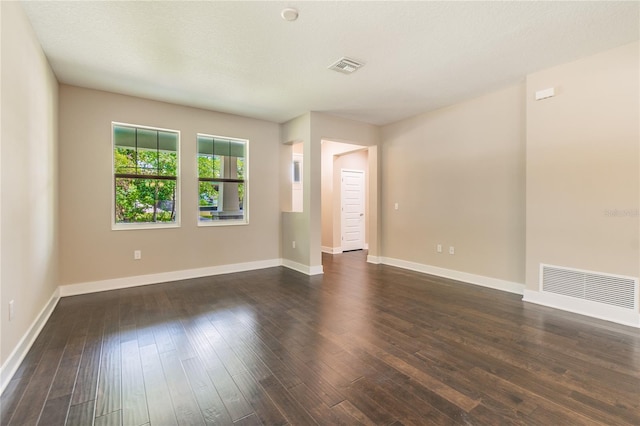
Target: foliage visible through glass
point(145, 178)
point(221, 175)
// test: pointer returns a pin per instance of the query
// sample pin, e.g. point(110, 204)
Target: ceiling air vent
point(345, 65)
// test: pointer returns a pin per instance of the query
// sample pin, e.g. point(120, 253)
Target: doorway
point(352, 206)
point(340, 233)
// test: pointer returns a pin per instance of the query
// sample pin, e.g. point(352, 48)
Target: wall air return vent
point(346, 65)
point(612, 290)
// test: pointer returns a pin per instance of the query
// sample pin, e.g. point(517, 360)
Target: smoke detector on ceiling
point(289, 14)
point(346, 65)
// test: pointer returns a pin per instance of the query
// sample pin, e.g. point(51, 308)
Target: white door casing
point(352, 209)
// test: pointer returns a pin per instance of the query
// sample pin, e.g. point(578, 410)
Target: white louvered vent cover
point(596, 287)
point(345, 65)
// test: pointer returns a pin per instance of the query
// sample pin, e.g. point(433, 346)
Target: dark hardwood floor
point(363, 344)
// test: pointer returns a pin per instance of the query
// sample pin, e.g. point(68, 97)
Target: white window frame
point(228, 222)
point(149, 225)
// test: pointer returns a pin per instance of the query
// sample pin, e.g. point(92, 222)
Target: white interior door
point(352, 194)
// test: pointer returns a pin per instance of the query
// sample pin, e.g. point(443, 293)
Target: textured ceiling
point(243, 58)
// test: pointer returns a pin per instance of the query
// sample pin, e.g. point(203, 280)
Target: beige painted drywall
point(458, 176)
point(91, 251)
point(295, 225)
point(29, 135)
point(583, 171)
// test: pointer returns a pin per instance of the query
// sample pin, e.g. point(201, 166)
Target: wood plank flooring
point(362, 344)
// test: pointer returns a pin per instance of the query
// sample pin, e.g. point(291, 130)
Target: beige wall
point(295, 225)
point(91, 251)
point(458, 175)
point(29, 177)
point(582, 165)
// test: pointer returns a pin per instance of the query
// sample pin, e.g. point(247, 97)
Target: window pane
point(165, 207)
point(145, 200)
point(221, 147)
point(124, 160)
point(221, 201)
point(147, 162)
point(240, 165)
point(209, 166)
point(167, 163)
point(209, 192)
point(124, 136)
point(232, 201)
point(146, 139)
point(240, 196)
point(236, 148)
point(127, 207)
point(167, 141)
point(205, 145)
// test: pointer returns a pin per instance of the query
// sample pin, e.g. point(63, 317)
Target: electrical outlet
point(137, 254)
point(12, 310)
point(293, 244)
point(452, 250)
point(439, 248)
point(395, 206)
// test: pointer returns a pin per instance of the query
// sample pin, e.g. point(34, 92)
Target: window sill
point(139, 226)
point(222, 223)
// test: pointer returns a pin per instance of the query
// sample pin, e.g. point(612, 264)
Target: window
point(145, 171)
point(222, 180)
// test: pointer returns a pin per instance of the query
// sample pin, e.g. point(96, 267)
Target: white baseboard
point(117, 283)
point(338, 250)
point(316, 270)
point(374, 259)
point(481, 280)
point(10, 366)
point(584, 307)
point(307, 270)
point(331, 250)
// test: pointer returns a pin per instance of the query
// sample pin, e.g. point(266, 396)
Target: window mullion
point(157, 153)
